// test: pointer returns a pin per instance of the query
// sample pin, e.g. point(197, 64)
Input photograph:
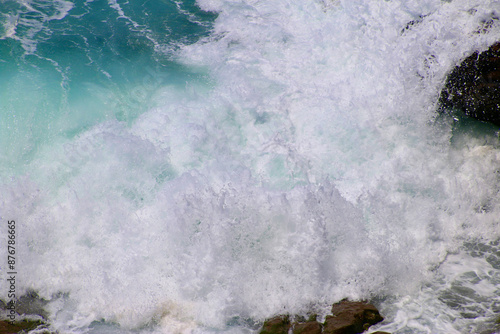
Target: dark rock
point(474, 86)
point(6, 327)
point(277, 325)
point(351, 318)
point(309, 327)
point(29, 304)
point(339, 325)
point(347, 318)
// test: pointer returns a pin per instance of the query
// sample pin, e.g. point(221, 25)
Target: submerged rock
point(474, 86)
point(347, 318)
point(31, 304)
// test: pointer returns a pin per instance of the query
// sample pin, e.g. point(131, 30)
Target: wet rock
point(347, 318)
point(29, 304)
point(474, 86)
point(6, 327)
point(309, 327)
point(351, 318)
point(277, 325)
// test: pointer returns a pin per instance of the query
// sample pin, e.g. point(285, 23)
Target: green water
point(59, 77)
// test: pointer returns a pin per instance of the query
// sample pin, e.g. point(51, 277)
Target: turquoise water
point(67, 66)
point(182, 167)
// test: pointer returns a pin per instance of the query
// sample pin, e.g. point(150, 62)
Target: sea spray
point(287, 157)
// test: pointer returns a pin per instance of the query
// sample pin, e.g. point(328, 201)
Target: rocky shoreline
point(22, 326)
point(347, 317)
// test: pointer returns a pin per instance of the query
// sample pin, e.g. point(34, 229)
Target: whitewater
point(197, 167)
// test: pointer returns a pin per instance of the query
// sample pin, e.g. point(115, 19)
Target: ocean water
point(196, 167)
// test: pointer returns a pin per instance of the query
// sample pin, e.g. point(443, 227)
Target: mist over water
point(175, 167)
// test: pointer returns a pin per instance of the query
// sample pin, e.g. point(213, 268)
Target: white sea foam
point(312, 168)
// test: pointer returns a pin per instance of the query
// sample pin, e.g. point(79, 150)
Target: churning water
point(181, 167)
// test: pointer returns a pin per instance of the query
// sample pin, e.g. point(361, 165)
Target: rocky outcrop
point(347, 317)
point(19, 319)
point(24, 326)
point(277, 325)
point(474, 86)
point(351, 318)
point(310, 326)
